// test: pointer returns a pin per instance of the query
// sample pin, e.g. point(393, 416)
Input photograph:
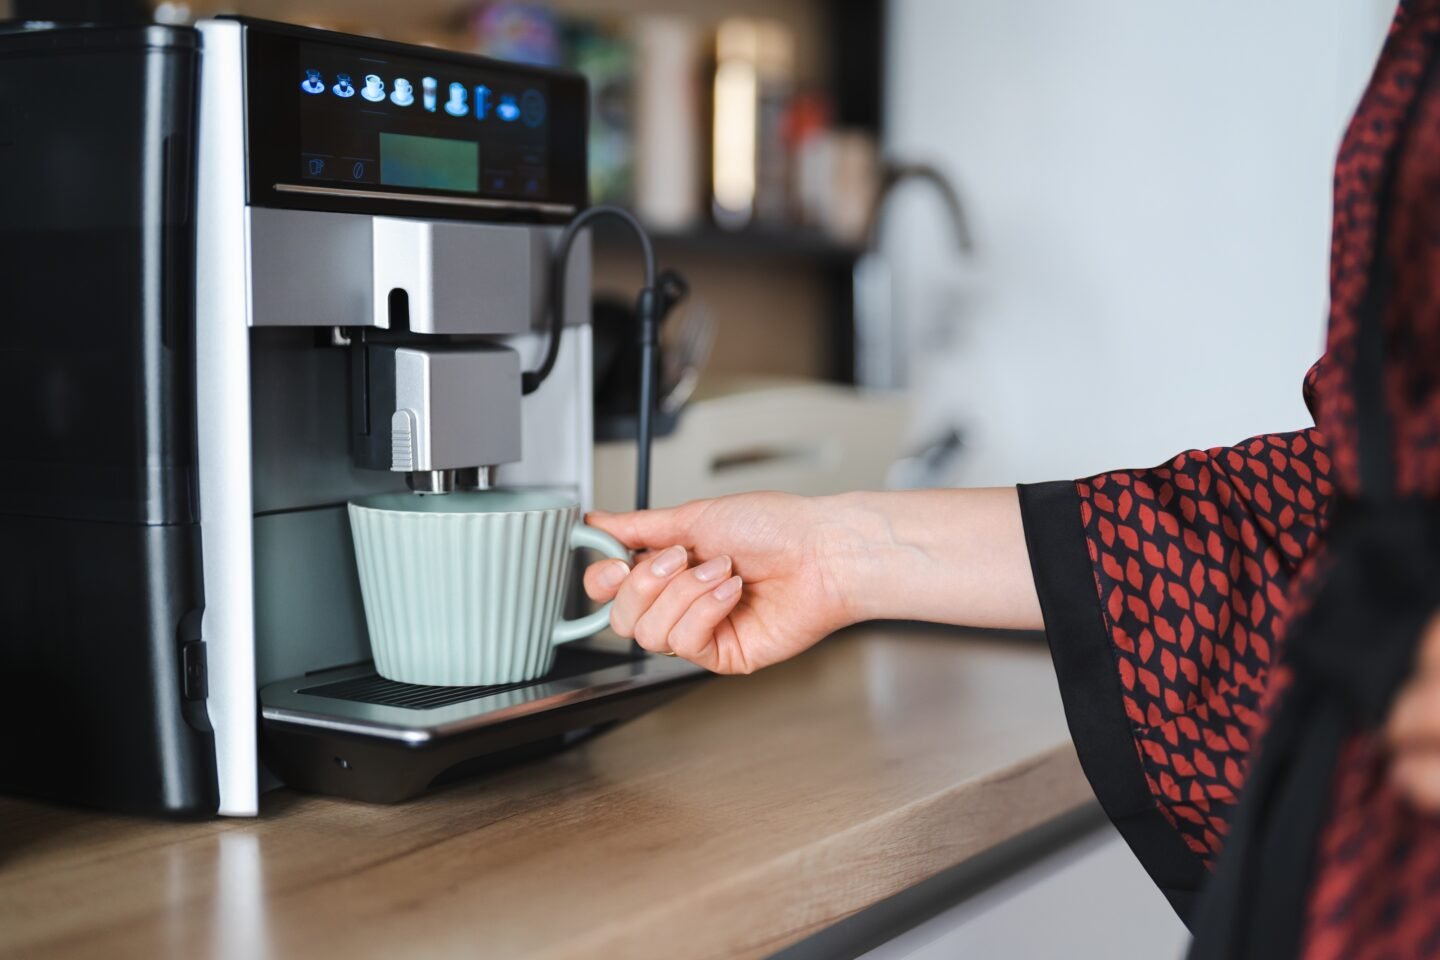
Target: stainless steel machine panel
point(317, 269)
point(312, 269)
point(458, 277)
point(222, 404)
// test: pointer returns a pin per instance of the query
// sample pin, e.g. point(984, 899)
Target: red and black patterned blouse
point(1167, 592)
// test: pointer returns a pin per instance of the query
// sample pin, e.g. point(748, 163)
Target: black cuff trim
point(1090, 689)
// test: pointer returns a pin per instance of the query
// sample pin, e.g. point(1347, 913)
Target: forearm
point(945, 556)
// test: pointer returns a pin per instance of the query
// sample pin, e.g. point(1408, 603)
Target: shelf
point(795, 244)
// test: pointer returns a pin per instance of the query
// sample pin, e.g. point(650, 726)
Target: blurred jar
point(669, 131)
point(754, 81)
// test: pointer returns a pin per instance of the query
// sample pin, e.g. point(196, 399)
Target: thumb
point(644, 529)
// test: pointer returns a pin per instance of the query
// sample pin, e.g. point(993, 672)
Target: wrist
point(857, 547)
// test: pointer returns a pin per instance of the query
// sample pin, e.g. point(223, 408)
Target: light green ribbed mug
point(465, 589)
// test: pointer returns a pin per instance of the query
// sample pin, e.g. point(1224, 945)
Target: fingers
point(644, 529)
point(693, 636)
point(652, 628)
point(643, 586)
point(664, 606)
point(603, 579)
point(638, 530)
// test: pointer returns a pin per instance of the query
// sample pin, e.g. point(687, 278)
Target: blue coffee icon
point(458, 105)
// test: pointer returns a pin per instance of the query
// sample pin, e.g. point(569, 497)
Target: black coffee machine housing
point(214, 248)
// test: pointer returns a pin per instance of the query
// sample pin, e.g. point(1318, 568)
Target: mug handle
point(582, 537)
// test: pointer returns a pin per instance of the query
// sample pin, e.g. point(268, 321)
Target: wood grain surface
point(730, 823)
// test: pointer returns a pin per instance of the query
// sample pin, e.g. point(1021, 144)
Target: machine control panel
point(340, 123)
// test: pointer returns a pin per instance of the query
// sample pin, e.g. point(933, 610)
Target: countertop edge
point(780, 902)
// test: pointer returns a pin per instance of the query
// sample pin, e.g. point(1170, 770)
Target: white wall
point(1149, 188)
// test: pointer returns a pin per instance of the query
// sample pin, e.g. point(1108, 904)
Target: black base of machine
point(351, 733)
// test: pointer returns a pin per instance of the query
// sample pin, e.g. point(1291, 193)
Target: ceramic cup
point(465, 589)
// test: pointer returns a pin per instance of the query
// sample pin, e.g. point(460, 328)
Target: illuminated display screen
point(429, 162)
point(368, 120)
point(360, 125)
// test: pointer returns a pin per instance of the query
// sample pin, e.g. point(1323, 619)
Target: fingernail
point(669, 562)
point(712, 569)
point(728, 590)
point(614, 573)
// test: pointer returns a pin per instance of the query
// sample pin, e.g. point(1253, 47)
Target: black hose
point(648, 310)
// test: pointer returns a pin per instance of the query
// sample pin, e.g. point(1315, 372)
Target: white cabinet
point(1089, 899)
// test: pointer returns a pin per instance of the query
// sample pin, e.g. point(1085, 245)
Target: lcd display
point(368, 120)
point(429, 162)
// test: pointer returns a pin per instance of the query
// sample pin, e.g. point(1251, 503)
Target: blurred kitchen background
point(935, 242)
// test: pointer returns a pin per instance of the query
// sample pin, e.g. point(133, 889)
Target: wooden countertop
point(730, 823)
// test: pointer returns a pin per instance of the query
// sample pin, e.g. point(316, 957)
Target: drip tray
point(353, 733)
point(374, 689)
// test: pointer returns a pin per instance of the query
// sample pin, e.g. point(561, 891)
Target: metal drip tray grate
point(375, 689)
point(351, 733)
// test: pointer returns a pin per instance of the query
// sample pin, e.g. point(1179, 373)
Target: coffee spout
point(429, 482)
point(475, 478)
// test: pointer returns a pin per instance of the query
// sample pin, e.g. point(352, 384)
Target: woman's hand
point(1414, 728)
point(734, 584)
point(742, 582)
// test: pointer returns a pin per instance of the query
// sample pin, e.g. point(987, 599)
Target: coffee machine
point(254, 271)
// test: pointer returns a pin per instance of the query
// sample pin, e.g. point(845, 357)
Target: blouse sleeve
point(1163, 593)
